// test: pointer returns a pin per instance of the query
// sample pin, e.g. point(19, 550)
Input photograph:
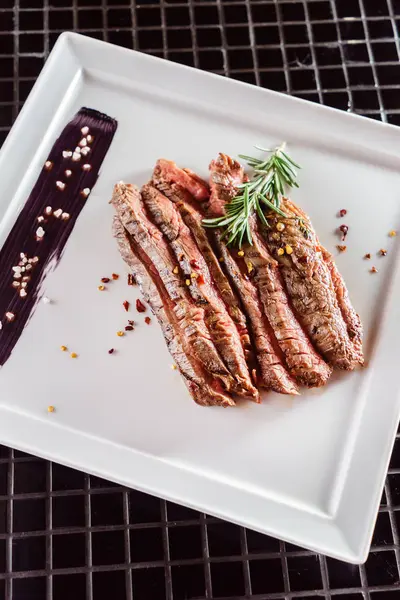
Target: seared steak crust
point(309, 284)
point(204, 391)
point(226, 174)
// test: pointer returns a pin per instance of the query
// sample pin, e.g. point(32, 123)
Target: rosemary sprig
point(270, 179)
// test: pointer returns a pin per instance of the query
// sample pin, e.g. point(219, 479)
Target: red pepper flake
point(128, 328)
point(126, 305)
point(344, 229)
point(111, 350)
point(342, 212)
point(382, 252)
point(374, 270)
point(115, 276)
point(140, 307)
point(342, 248)
point(131, 279)
point(105, 279)
point(302, 259)
point(200, 279)
point(367, 256)
point(131, 323)
point(194, 263)
point(147, 320)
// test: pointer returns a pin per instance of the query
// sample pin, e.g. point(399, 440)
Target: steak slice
point(185, 178)
point(205, 390)
point(273, 373)
point(200, 284)
point(226, 174)
point(148, 239)
point(309, 284)
point(193, 219)
point(351, 318)
point(303, 362)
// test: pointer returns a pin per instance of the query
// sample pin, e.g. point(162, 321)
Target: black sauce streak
point(46, 192)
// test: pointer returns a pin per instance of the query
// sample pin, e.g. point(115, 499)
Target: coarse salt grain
point(10, 316)
point(76, 157)
point(22, 293)
point(67, 153)
point(28, 267)
point(68, 173)
point(48, 164)
point(65, 216)
point(17, 275)
point(60, 185)
point(83, 143)
point(77, 150)
point(89, 138)
point(16, 269)
point(57, 213)
point(85, 192)
point(46, 300)
point(86, 167)
point(16, 284)
point(40, 219)
point(85, 151)
point(24, 284)
point(48, 210)
point(39, 234)
point(85, 130)
point(23, 269)
point(35, 259)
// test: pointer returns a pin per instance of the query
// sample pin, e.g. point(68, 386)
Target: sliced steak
point(351, 318)
point(154, 251)
point(201, 286)
point(309, 284)
point(273, 373)
point(193, 219)
point(185, 178)
point(203, 388)
point(226, 174)
point(303, 362)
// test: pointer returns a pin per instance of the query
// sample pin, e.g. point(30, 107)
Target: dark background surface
point(67, 536)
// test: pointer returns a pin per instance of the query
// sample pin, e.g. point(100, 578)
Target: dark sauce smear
point(38, 237)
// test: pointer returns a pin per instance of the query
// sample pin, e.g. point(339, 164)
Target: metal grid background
point(64, 534)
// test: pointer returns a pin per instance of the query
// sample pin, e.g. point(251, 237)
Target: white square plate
point(308, 470)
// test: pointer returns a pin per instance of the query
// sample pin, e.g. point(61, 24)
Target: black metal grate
point(64, 534)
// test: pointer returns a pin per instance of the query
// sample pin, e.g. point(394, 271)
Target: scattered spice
point(280, 226)
point(288, 249)
point(115, 276)
point(125, 304)
point(343, 212)
point(128, 328)
point(240, 253)
point(374, 270)
point(200, 279)
point(50, 409)
point(342, 248)
point(73, 355)
point(280, 251)
point(344, 230)
point(131, 279)
point(147, 320)
point(174, 367)
point(221, 259)
point(111, 350)
point(392, 233)
point(249, 266)
point(101, 288)
point(194, 263)
point(131, 322)
point(187, 281)
point(367, 256)
point(382, 252)
point(140, 307)
point(194, 275)
point(120, 333)
point(63, 348)
point(175, 270)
